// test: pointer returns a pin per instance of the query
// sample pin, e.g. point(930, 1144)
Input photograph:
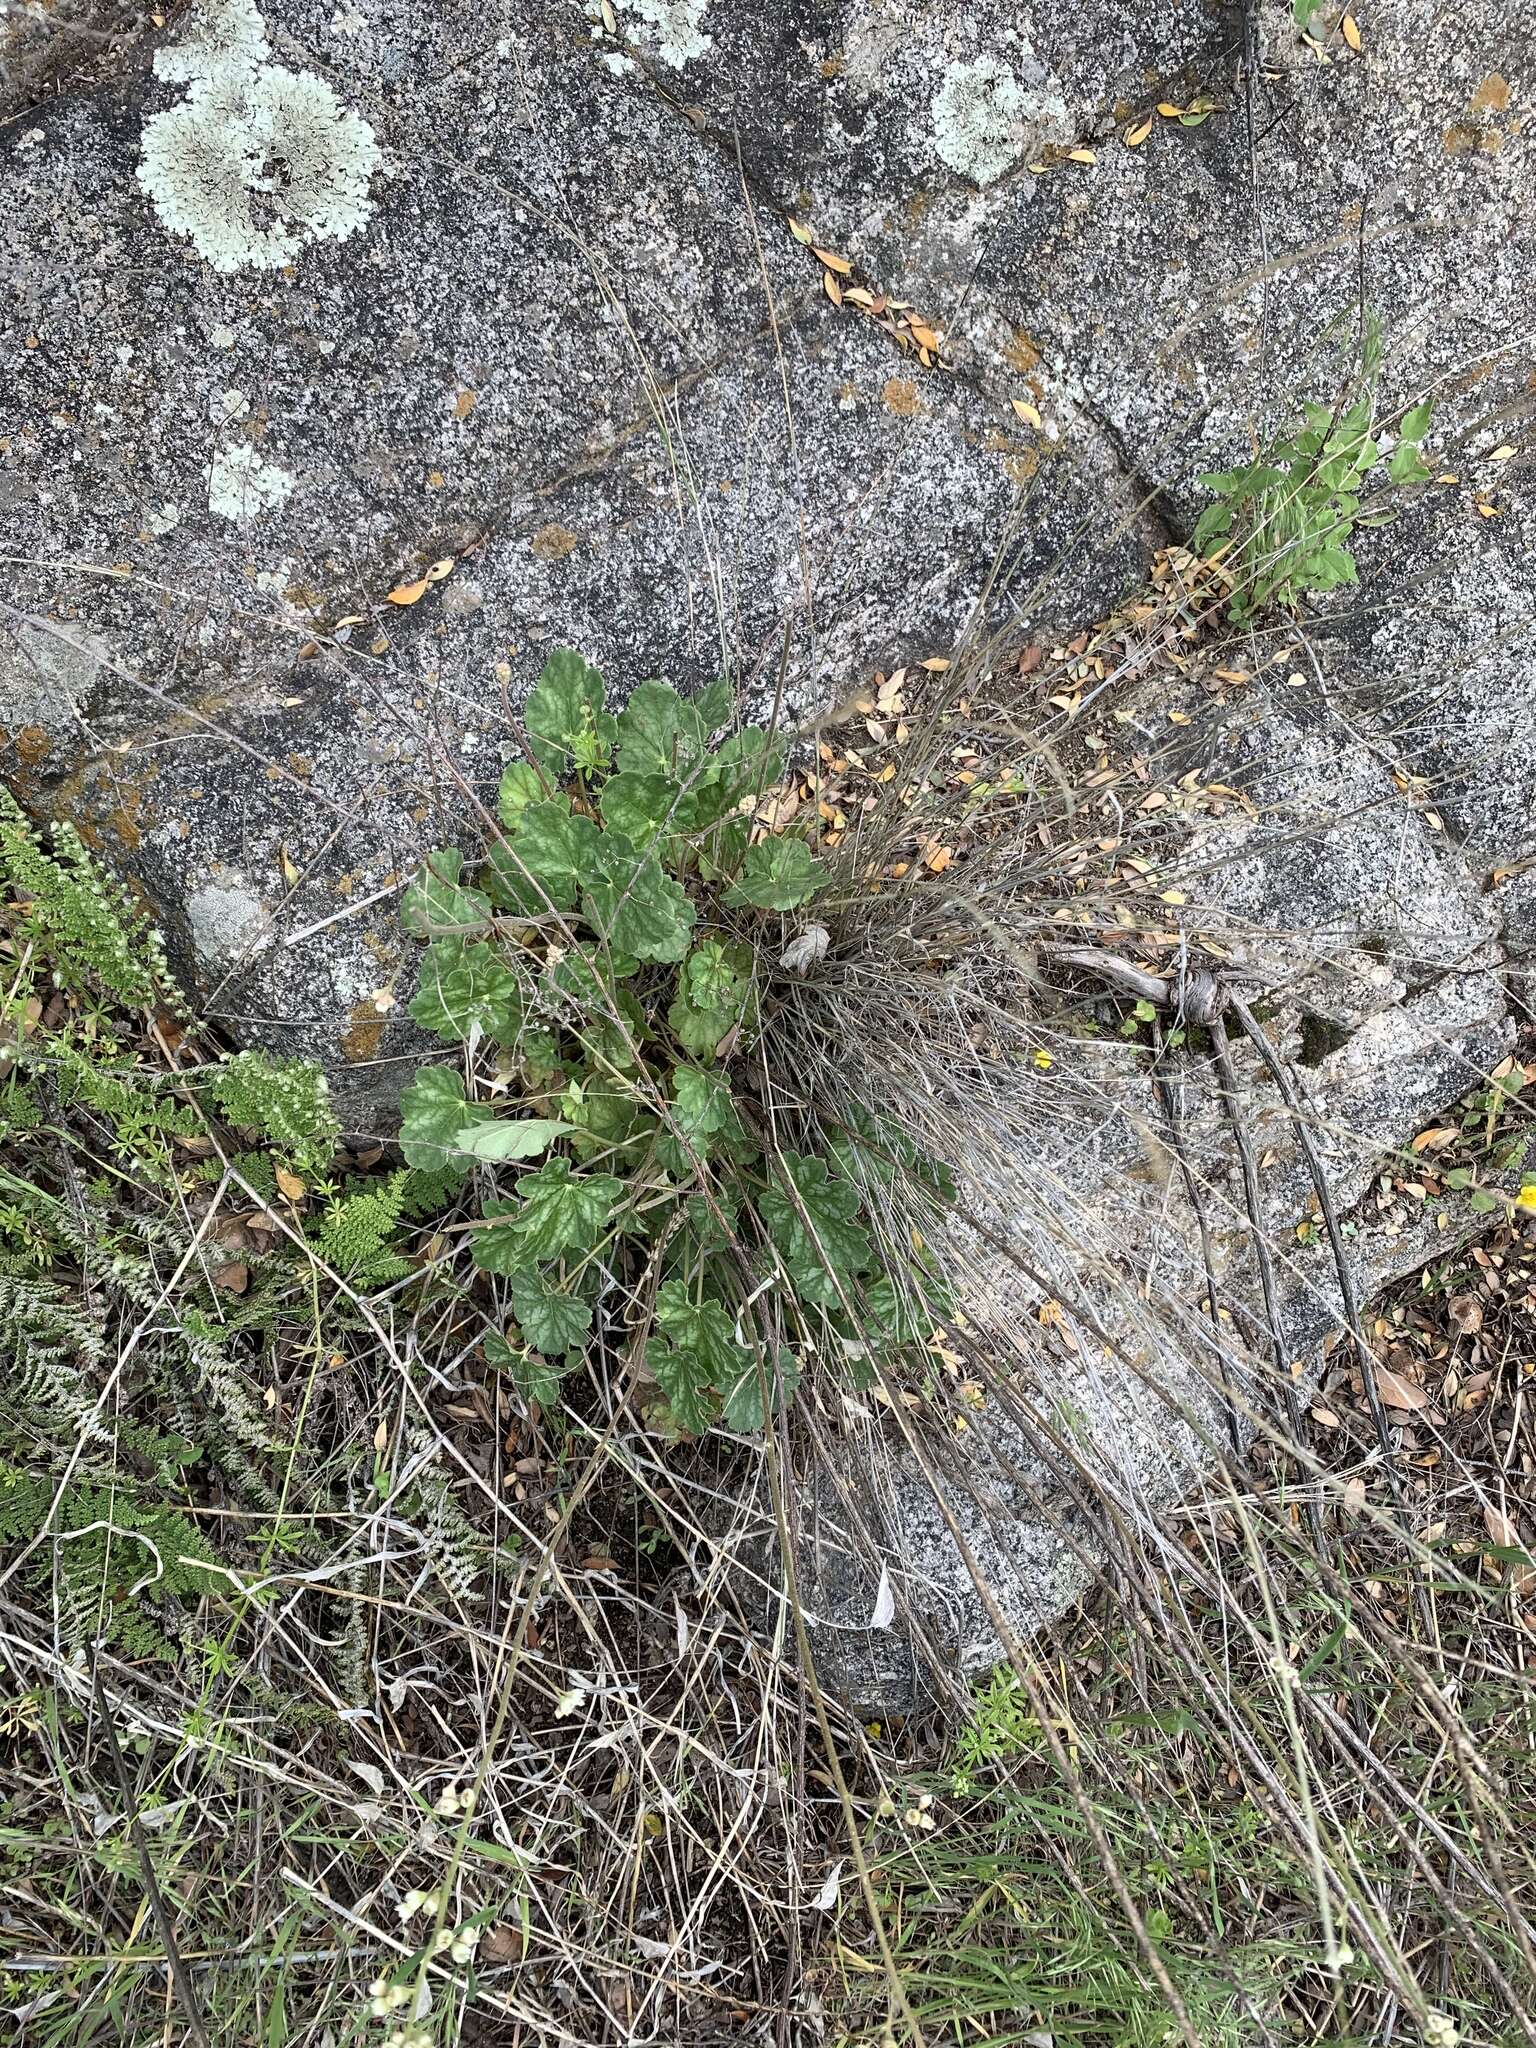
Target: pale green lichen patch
point(984, 119)
point(241, 486)
point(674, 29)
point(257, 161)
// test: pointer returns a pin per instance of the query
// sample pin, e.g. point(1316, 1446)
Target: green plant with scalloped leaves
point(612, 957)
point(1282, 524)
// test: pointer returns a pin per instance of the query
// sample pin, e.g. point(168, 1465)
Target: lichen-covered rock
point(560, 349)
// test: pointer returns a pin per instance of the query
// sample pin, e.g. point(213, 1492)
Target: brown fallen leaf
point(1466, 1313)
point(233, 1277)
point(1136, 136)
point(1351, 30)
point(1501, 1528)
point(833, 262)
point(831, 287)
point(409, 593)
point(1396, 1392)
point(290, 1184)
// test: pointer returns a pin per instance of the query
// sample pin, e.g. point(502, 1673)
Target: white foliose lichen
point(980, 115)
point(222, 32)
point(257, 161)
point(673, 28)
point(241, 486)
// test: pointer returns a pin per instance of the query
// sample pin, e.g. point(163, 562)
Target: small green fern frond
point(81, 918)
point(287, 1100)
point(111, 1558)
point(354, 1233)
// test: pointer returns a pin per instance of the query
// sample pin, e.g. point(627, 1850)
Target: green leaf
point(904, 1314)
point(562, 1211)
point(433, 1116)
point(872, 1148)
point(1214, 522)
point(713, 704)
point(685, 1381)
point(539, 1056)
point(699, 1031)
point(506, 1139)
point(607, 1117)
point(559, 849)
point(828, 1247)
point(522, 785)
point(741, 1397)
point(588, 984)
point(636, 907)
point(702, 1100)
point(713, 975)
point(566, 708)
point(1414, 424)
point(552, 1319)
point(436, 904)
point(513, 891)
point(713, 994)
point(660, 733)
point(496, 1247)
point(640, 805)
point(465, 988)
point(721, 854)
point(535, 1378)
point(704, 1351)
point(777, 874)
point(1408, 465)
point(748, 761)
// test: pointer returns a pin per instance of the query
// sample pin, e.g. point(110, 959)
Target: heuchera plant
point(615, 948)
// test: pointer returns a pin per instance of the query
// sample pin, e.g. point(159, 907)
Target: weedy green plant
point(618, 948)
point(1284, 521)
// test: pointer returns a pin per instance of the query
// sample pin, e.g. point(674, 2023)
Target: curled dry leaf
point(1466, 1313)
point(801, 954)
point(409, 593)
point(1501, 1528)
point(1396, 1392)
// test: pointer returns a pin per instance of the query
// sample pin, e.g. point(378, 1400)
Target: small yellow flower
point(1526, 1199)
point(1044, 1061)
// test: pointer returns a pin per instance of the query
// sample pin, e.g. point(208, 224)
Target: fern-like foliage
point(288, 1100)
point(140, 1119)
point(82, 920)
point(455, 1548)
point(355, 1234)
point(121, 1569)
